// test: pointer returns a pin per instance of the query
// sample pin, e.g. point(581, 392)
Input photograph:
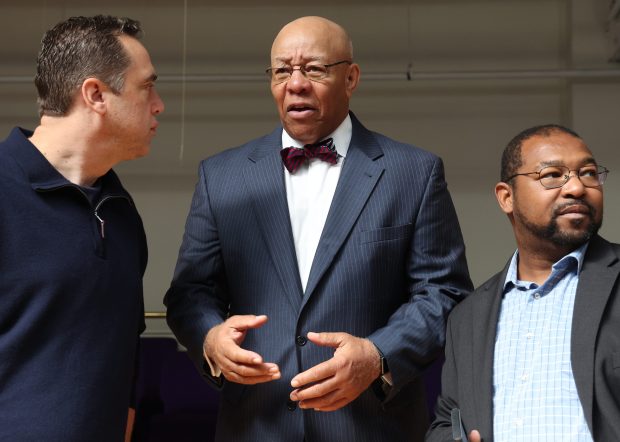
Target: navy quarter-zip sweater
point(71, 306)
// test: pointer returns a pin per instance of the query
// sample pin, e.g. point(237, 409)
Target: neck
point(70, 150)
point(535, 264)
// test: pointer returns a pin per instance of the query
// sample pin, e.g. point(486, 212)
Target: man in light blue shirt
point(533, 354)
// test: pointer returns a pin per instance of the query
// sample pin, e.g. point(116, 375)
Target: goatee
point(563, 238)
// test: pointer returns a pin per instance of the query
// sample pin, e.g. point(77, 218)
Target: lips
point(574, 208)
point(299, 107)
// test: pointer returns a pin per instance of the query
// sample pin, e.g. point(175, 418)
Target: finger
point(317, 373)
point(327, 339)
point(474, 436)
point(313, 391)
point(244, 322)
point(250, 374)
point(243, 370)
point(328, 402)
point(238, 355)
point(249, 380)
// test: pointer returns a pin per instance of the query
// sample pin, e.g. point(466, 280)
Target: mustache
point(559, 209)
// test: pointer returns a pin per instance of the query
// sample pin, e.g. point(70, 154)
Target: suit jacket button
point(301, 341)
point(291, 405)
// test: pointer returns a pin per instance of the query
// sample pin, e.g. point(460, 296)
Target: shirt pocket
point(386, 234)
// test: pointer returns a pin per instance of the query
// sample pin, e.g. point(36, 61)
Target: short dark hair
point(511, 158)
point(79, 48)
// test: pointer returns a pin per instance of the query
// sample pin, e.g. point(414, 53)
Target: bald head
point(315, 32)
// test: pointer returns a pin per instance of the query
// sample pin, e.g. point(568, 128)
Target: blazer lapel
point(358, 178)
point(264, 179)
point(596, 280)
point(487, 306)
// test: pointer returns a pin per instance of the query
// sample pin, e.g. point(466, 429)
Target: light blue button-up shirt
point(534, 392)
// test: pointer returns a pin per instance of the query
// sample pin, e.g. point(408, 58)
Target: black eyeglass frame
point(304, 72)
point(601, 173)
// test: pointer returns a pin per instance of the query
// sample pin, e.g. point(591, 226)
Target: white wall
point(467, 122)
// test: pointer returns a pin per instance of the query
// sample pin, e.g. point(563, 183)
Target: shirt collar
point(576, 255)
point(342, 137)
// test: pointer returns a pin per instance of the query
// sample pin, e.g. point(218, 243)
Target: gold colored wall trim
point(155, 315)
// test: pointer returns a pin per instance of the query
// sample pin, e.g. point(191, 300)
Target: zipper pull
point(102, 224)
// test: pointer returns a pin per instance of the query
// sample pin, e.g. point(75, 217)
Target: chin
point(141, 152)
point(305, 133)
point(574, 238)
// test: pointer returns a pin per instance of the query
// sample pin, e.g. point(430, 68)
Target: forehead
point(313, 41)
point(140, 62)
point(557, 148)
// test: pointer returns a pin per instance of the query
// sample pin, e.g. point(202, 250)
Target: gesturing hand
point(222, 345)
point(334, 383)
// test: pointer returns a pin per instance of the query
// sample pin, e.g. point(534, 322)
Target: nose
point(573, 187)
point(298, 81)
point(158, 104)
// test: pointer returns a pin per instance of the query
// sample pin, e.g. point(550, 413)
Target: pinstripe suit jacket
point(467, 377)
point(389, 266)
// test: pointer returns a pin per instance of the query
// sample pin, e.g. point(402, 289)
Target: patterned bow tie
point(294, 157)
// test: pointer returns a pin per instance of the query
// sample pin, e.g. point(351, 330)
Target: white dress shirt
point(309, 192)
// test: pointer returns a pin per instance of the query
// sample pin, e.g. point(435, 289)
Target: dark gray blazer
point(389, 266)
point(595, 350)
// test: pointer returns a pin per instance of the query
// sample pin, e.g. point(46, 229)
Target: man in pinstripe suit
point(315, 293)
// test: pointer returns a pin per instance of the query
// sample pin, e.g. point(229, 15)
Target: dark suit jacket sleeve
point(197, 298)
point(437, 279)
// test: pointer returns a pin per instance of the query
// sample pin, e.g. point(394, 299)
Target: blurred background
point(456, 77)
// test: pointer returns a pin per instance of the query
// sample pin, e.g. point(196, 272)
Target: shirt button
point(518, 422)
point(291, 405)
point(300, 341)
point(529, 335)
point(524, 377)
point(536, 295)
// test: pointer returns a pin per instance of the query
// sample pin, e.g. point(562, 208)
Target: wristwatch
point(382, 384)
point(384, 370)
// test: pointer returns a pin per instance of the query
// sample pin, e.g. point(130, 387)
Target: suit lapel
point(487, 306)
point(264, 179)
point(596, 280)
point(358, 178)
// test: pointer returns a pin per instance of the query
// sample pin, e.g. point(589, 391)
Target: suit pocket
point(615, 360)
point(386, 234)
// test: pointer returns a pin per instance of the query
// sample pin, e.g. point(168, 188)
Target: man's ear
point(353, 78)
point(93, 94)
point(504, 194)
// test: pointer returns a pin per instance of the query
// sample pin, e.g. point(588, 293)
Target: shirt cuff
point(216, 372)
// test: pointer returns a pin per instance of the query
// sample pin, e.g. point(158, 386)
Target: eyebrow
point(589, 160)
point(151, 78)
point(286, 60)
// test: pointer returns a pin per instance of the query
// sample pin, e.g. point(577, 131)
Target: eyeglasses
point(552, 177)
point(312, 71)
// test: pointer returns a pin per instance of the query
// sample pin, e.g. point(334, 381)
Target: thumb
point(325, 339)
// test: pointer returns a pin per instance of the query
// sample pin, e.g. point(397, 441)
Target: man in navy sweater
point(72, 245)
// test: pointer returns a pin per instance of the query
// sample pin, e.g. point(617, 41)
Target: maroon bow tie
point(294, 157)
